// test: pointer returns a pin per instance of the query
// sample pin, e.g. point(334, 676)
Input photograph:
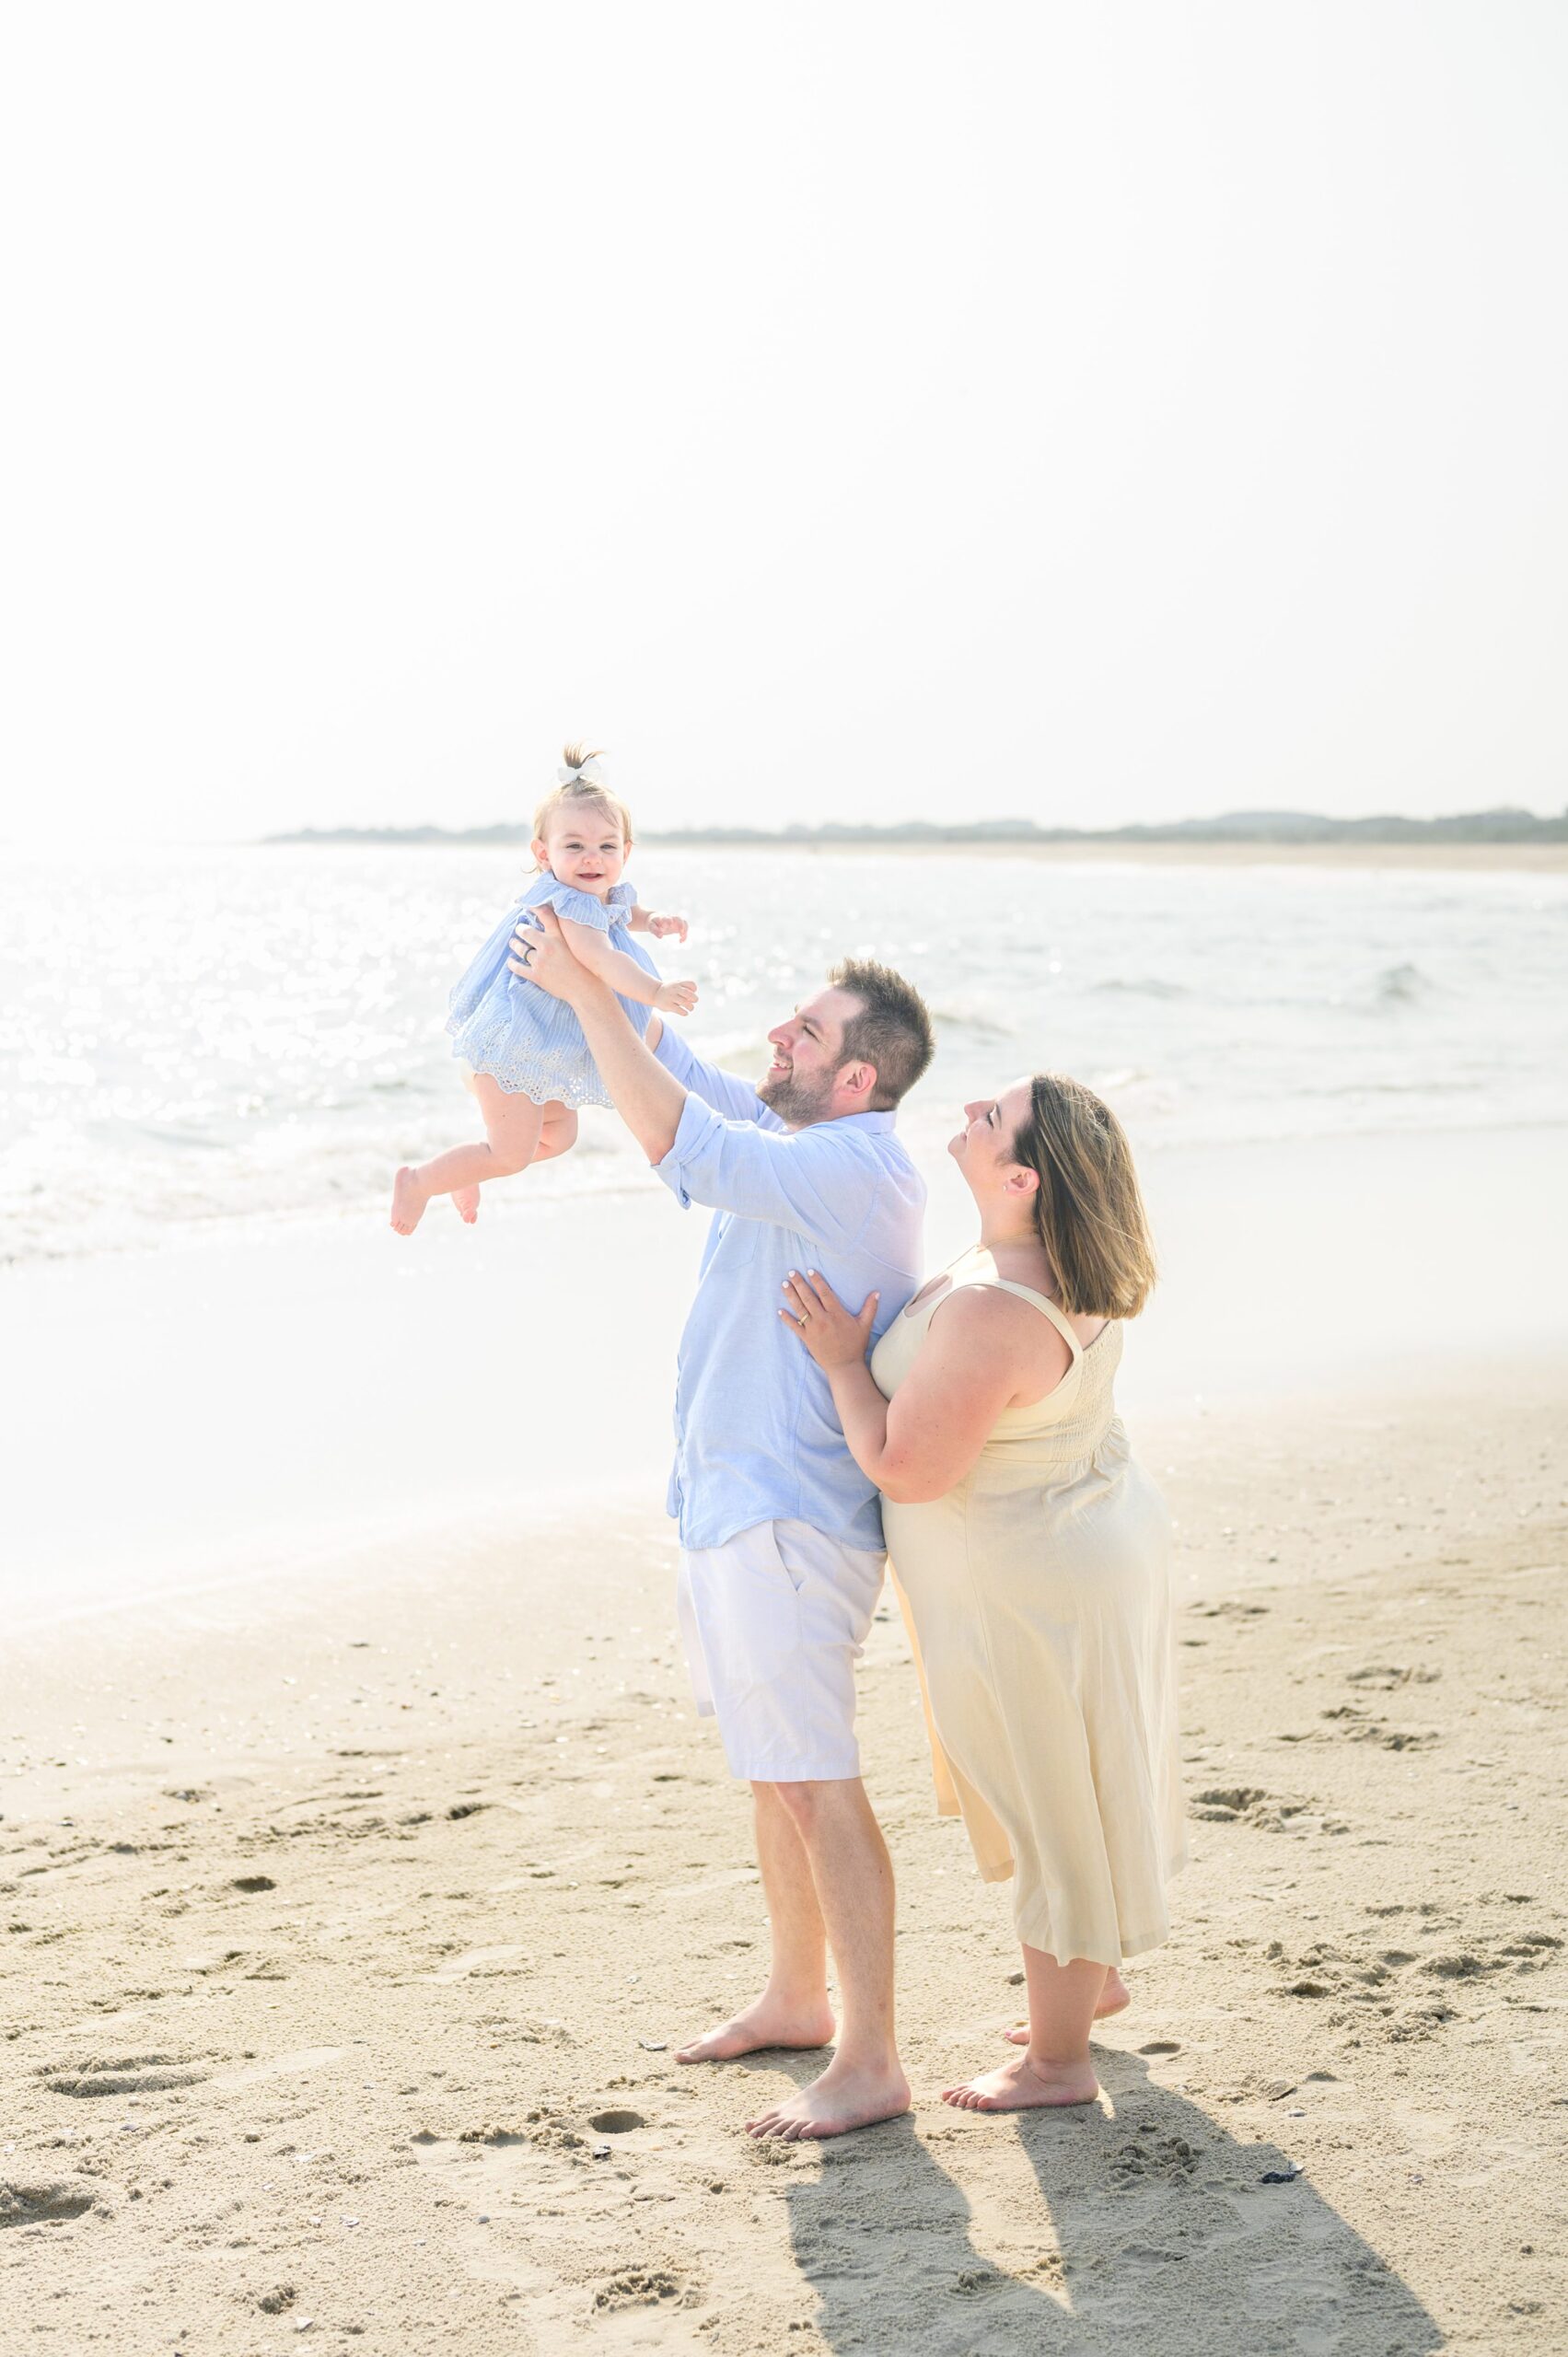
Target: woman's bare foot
point(847, 2096)
point(1115, 1998)
point(1023, 2086)
point(766, 2023)
point(408, 1199)
point(465, 1203)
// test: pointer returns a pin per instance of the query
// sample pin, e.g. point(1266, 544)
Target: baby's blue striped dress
point(528, 1042)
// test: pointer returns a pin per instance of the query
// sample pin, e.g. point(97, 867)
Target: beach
point(352, 1921)
point(364, 1864)
point(1029, 551)
point(363, 1861)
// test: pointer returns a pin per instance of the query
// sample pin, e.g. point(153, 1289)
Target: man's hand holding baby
point(566, 961)
point(539, 954)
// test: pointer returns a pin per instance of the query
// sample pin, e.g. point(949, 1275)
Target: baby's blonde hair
point(581, 795)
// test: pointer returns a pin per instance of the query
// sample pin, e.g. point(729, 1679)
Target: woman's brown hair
point(1088, 1207)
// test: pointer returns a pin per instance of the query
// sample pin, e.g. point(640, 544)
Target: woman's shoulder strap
point(986, 1277)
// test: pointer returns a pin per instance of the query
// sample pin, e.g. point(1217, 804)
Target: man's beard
point(793, 1098)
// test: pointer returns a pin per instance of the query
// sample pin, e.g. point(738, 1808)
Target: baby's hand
point(664, 927)
point(677, 998)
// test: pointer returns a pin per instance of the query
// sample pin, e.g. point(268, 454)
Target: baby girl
point(524, 1054)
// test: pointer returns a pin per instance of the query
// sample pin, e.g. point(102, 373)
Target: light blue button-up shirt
point(757, 1436)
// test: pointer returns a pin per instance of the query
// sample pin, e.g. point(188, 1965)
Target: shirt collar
point(859, 1122)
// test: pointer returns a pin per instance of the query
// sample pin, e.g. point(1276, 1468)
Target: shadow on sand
point(1148, 2232)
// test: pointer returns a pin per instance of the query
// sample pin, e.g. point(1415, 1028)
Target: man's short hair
point(892, 1031)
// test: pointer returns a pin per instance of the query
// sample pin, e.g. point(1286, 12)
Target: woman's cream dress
point(1038, 1595)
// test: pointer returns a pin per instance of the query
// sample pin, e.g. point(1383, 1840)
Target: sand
point(351, 1917)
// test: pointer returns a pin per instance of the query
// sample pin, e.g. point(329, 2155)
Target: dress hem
point(1134, 1943)
point(574, 1093)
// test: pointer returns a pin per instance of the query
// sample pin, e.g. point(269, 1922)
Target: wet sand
point(250, 1401)
point(351, 1916)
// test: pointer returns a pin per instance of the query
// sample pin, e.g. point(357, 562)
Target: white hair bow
point(585, 774)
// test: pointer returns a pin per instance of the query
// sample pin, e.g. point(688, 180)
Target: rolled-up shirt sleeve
point(802, 1179)
point(722, 1090)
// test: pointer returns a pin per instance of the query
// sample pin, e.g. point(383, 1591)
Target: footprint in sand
point(125, 2074)
point(278, 2066)
point(483, 1964)
point(1324, 1970)
point(1227, 1802)
point(1396, 1982)
point(545, 2130)
point(1152, 2154)
point(1267, 1812)
point(1358, 1726)
point(1527, 1951)
point(639, 2287)
point(1382, 1677)
point(50, 2204)
point(1531, 1949)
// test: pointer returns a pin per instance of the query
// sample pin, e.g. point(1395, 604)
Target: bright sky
point(1104, 412)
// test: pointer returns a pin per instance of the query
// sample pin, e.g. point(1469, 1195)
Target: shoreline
point(319, 1387)
point(365, 1906)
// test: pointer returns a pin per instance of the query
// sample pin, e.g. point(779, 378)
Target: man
point(780, 1533)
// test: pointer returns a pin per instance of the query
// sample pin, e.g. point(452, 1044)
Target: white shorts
point(774, 1622)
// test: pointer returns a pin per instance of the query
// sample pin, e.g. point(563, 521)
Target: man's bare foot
point(465, 1203)
point(766, 2023)
point(844, 2098)
point(408, 1199)
point(1023, 2086)
point(1115, 1998)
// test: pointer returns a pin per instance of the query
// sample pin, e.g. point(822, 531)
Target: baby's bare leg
point(512, 1126)
point(558, 1133)
point(465, 1199)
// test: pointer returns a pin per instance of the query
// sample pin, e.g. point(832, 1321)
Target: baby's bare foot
point(408, 1199)
point(766, 2023)
point(1023, 2086)
point(464, 1200)
point(843, 2098)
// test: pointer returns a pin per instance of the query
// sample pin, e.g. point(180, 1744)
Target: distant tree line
point(1503, 825)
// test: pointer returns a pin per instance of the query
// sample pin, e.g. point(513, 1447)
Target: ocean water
point(192, 1038)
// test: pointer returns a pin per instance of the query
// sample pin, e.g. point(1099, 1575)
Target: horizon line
point(1499, 823)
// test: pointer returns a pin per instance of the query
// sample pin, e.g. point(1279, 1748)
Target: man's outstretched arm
point(725, 1091)
point(648, 1100)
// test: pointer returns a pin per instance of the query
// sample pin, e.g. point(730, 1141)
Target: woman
point(1030, 1551)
